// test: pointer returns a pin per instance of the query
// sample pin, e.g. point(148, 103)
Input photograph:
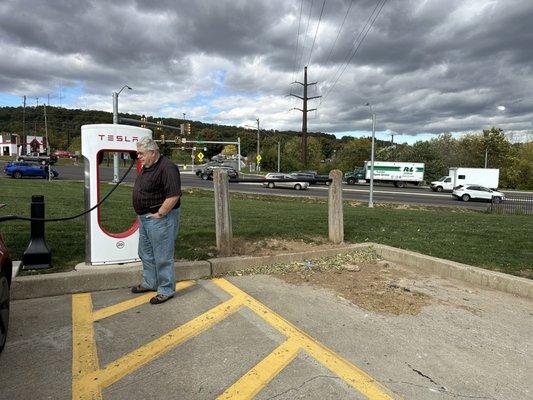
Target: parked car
point(64, 154)
point(38, 158)
point(477, 192)
point(6, 268)
point(17, 170)
point(289, 184)
point(207, 174)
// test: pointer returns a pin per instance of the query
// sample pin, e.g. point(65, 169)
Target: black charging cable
point(17, 217)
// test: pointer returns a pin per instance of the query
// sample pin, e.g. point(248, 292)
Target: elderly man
point(156, 200)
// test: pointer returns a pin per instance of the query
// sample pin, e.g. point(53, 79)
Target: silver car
point(292, 185)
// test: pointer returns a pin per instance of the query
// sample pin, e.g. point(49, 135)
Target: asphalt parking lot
point(260, 337)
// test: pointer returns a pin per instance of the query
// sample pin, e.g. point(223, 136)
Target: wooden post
point(335, 215)
point(222, 213)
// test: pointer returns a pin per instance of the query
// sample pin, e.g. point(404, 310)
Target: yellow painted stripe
point(132, 303)
point(259, 376)
point(84, 354)
point(143, 355)
point(351, 374)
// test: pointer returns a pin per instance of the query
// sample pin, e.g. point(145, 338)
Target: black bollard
point(37, 254)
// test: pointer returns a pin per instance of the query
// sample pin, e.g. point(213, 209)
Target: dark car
point(311, 176)
point(17, 170)
point(6, 269)
point(207, 174)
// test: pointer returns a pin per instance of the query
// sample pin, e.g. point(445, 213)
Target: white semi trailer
point(398, 173)
point(488, 177)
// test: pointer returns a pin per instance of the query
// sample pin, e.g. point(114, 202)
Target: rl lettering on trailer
point(118, 138)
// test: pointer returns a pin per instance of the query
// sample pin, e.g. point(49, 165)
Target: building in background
point(9, 144)
point(35, 144)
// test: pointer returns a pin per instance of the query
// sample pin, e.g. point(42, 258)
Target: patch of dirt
point(359, 277)
point(372, 286)
point(266, 247)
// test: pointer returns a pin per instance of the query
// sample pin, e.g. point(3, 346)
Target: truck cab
point(352, 177)
point(444, 183)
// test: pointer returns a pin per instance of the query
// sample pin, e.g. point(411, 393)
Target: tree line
point(325, 151)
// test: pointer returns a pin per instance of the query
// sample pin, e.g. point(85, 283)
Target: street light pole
point(371, 194)
point(115, 121)
point(258, 149)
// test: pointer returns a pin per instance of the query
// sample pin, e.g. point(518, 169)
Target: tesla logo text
point(120, 245)
point(118, 138)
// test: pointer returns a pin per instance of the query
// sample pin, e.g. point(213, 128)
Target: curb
point(94, 278)
point(516, 285)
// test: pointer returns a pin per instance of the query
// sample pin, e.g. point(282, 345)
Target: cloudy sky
point(426, 66)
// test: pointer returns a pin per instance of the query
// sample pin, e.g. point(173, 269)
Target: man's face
point(147, 157)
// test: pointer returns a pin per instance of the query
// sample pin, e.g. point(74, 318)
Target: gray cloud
point(426, 66)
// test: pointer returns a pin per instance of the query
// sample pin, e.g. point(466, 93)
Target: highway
point(421, 196)
point(413, 195)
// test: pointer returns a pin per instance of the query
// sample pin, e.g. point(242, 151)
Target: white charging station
point(101, 246)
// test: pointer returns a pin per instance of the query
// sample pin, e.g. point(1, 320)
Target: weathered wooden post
point(222, 213)
point(335, 215)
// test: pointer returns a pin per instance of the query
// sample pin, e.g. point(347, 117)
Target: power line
point(338, 33)
point(357, 44)
point(306, 29)
point(295, 67)
point(316, 32)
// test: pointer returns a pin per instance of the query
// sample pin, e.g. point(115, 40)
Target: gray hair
point(148, 143)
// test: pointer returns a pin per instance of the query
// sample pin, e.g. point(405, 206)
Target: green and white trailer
point(397, 173)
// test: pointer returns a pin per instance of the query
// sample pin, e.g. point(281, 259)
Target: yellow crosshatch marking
point(88, 379)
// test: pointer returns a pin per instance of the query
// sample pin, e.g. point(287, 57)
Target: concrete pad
point(468, 343)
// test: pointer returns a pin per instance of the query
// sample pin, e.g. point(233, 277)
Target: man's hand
point(154, 216)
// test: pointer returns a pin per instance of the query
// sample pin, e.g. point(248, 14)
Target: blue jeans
point(156, 251)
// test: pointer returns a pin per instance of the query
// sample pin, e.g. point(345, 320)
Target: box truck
point(398, 173)
point(488, 177)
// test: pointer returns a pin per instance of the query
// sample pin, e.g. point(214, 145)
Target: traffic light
point(143, 119)
point(159, 128)
point(188, 128)
point(162, 139)
point(177, 140)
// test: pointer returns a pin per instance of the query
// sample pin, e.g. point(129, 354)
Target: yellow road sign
point(200, 156)
point(258, 158)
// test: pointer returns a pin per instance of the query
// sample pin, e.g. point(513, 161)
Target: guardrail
point(514, 203)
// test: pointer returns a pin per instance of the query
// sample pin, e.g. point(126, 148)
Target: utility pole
point(46, 132)
point(23, 148)
point(258, 149)
point(304, 111)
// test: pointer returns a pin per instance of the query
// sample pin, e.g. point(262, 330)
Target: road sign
point(200, 156)
point(258, 158)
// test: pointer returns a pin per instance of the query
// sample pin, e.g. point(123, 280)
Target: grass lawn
point(497, 242)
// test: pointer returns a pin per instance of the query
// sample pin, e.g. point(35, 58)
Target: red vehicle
point(6, 269)
point(64, 154)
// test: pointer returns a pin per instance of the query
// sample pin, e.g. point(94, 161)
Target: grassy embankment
point(497, 242)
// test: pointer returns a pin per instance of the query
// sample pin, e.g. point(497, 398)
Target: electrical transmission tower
point(303, 154)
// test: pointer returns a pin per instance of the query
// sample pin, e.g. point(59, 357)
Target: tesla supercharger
point(102, 246)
